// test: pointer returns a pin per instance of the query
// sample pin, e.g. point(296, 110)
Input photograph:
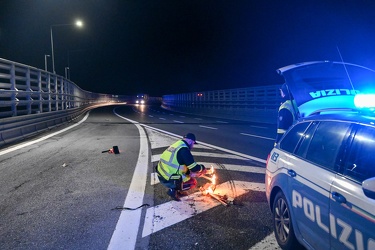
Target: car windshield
point(327, 84)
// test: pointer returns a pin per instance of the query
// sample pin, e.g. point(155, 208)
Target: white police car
point(320, 177)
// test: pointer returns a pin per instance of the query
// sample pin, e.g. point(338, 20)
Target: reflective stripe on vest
point(289, 106)
point(168, 163)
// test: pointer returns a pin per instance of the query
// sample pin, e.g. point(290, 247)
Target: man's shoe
point(173, 194)
point(182, 193)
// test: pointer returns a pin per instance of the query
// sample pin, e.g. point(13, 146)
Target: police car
point(320, 177)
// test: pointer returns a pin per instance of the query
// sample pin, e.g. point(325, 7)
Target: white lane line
point(198, 119)
point(161, 118)
point(217, 155)
point(178, 121)
point(257, 136)
point(182, 116)
point(170, 213)
point(232, 167)
point(155, 158)
point(208, 145)
point(253, 126)
point(125, 234)
point(150, 115)
point(154, 179)
point(3, 152)
point(221, 122)
point(268, 243)
point(207, 127)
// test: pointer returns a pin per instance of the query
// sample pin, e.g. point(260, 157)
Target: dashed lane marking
point(178, 121)
point(253, 126)
point(257, 136)
point(207, 127)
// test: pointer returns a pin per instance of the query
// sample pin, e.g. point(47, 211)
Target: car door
point(352, 213)
point(314, 169)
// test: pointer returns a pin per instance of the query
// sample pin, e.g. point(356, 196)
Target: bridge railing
point(27, 90)
point(33, 100)
point(259, 104)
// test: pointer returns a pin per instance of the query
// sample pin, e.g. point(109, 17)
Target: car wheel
point(282, 222)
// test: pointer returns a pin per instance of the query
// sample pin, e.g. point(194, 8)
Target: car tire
point(282, 223)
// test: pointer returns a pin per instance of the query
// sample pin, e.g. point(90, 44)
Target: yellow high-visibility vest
point(289, 106)
point(169, 165)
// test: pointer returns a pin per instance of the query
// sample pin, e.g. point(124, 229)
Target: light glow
point(364, 100)
point(79, 23)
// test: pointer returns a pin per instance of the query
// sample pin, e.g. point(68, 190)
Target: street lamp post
point(45, 62)
point(66, 72)
point(78, 23)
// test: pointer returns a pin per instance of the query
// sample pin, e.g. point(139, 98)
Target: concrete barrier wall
point(256, 104)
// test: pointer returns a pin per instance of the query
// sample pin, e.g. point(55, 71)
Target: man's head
point(190, 139)
point(284, 92)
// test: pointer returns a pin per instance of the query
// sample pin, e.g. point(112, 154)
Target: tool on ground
point(209, 188)
point(113, 150)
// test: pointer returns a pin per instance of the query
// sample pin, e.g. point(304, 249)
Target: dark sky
point(177, 46)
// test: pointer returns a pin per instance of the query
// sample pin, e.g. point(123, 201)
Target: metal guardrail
point(259, 104)
point(26, 90)
point(34, 100)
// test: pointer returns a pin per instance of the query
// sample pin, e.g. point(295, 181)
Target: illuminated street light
point(66, 72)
point(45, 61)
point(78, 23)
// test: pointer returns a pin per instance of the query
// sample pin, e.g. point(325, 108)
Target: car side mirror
point(368, 187)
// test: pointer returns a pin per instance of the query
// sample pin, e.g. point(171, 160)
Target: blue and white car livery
point(320, 178)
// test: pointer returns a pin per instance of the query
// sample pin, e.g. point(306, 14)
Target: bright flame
point(212, 170)
point(213, 180)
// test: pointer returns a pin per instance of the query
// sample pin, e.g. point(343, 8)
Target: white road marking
point(178, 121)
point(221, 122)
point(198, 119)
point(268, 243)
point(161, 118)
point(253, 126)
point(170, 213)
point(182, 116)
point(217, 155)
point(262, 137)
point(232, 167)
point(207, 127)
point(11, 149)
point(200, 144)
point(154, 179)
point(155, 158)
point(150, 115)
point(122, 237)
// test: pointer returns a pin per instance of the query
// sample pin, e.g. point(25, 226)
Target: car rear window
point(289, 142)
point(326, 142)
point(360, 162)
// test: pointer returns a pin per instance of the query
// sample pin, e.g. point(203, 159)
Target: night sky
point(176, 46)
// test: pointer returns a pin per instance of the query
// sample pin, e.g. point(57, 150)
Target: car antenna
point(347, 73)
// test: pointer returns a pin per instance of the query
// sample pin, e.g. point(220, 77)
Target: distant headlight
point(142, 101)
point(137, 101)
